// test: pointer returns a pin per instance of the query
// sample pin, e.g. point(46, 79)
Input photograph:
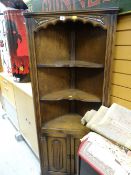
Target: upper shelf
point(71, 63)
point(71, 94)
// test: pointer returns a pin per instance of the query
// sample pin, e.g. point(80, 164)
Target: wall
point(121, 76)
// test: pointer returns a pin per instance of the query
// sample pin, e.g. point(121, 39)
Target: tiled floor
point(15, 157)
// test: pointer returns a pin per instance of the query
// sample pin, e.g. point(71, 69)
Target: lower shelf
point(68, 122)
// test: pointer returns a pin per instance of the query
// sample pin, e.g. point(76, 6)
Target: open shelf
point(71, 44)
point(71, 63)
point(66, 122)
point(53, 109)
point(71, 94)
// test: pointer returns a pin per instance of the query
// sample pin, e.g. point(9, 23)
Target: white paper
point(115, 125)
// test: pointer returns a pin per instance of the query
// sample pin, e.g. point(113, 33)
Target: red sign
point(17, 40)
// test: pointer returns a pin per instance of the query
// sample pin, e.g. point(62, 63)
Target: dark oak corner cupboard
point(70, 56)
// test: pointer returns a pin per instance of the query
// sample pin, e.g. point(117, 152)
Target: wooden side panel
point(122, 66)
point(123, 38)
point(121, 76)
point(122, 80)
point(123, 53)
point(121, 92)
point(122, 102)
point(124, 23)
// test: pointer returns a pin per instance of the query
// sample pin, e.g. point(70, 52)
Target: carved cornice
point(95, 20)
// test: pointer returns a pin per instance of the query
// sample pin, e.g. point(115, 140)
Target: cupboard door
point(10, 93)
point(7, 91)
point(3, 87)
point(56, 155)
point(26, 118)
point(75, 142)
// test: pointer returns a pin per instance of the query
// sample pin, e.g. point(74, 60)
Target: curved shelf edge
point(71, 63)
point(71, 94)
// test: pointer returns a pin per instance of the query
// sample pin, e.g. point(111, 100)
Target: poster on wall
point(17, 40)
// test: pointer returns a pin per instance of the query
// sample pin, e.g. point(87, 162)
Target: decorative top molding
point(93, 19)
point(113, 10)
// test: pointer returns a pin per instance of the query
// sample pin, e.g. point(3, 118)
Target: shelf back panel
point(54, 82)
point(83, 107)
point(70, 40)
point(53, 43)
point(53, 79)
point(51, 110)
point(90, 80)
point(90, 43)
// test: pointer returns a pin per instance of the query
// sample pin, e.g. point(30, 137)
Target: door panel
point(56, 155)
point(75, 142)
